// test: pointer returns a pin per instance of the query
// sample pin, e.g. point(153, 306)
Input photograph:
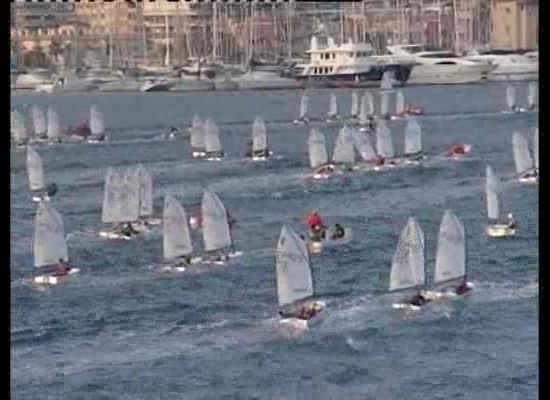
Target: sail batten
point(294, 278)
point(176, 235)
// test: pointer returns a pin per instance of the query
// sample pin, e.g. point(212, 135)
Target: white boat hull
point(317, 247)
point(405, 306)
point(114, 235)
point(500, 231)
point(53, 280)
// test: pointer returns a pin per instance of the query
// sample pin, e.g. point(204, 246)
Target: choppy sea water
point(121, 331)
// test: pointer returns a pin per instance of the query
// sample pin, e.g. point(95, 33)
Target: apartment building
point(515, 24)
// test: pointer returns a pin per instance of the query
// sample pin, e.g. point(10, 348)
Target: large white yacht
point(348, 63)
point(440, 66)
point(509, 65)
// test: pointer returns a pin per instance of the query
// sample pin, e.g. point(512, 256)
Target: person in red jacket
point(315, 224)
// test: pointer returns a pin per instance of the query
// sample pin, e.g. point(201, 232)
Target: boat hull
point(401, 74)
point(53, 280)
point(500, 231)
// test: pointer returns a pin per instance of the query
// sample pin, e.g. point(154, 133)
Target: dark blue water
point(121, 331)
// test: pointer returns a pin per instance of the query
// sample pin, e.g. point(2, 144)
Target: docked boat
point(258, 80)
point(349, 64)
point(509, 65)
point(69, 82)
point(440, 66)
point(32, 79)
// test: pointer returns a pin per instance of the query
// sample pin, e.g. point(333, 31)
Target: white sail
point(510, 95)
point(97, 123)
point(363, 112)
point(413, 137)
point(492, 188)
point(363, 145)
point(176, 238)
point(294, 279)
point(317, 148)
point(532, 94)
point(370, 103)
point(304, 102)
point(384, 103)
point(333, 106)
point(399, 102)
point(145, 192)
point(35, 170)
point(354, 104)
point(384, 140)
point(215, 228)
point(450, 259)
point(408, 264)
point(259, 135)
point(121, 196)
point(54, 130)
point(536, 148)
point(18, 126)
point(212, 137)
point(49, 245)
point(344, 151)
point(197, 133)
point(522, 157)
point(387, 80)
point(39, 121)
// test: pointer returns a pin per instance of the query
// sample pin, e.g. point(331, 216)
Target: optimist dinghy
point(97, 126)
point(146, 199)
point(303, 118)
point(526, 169)
point(332, 114)
point(35, 172)
point(260, 149)
point(20, 134)
point(54, 128)
point(50, 247)
point(408, 270)
point(354, 112)
point(197, 138)
point(413, 142)
point(216, 232)
point(39, 124)
point(532, 96)
point(176, 238)
point(295, 287)
point(212, 142)
point(120, 204)
point(366, 151)
point(330, 238)
point(318, 155)
point(492, 189)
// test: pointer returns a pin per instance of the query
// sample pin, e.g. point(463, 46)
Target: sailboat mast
point(289, 27)
point(111, 59)
point(214, 30)
point(167, 40)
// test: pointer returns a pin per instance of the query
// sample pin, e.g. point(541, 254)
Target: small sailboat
point(408, 269)
point(332, 114)
point(366, 114)
point(511, 99)
point(492, 188)
point(39, 124)
point(295, 282)
point(450, 260)
point(532, 96)
point(216, 232)
point(386, 83)
point(20, 134)
point(145, 198)
point(354, 112)
point(344, 150)
point(176, 237)
point(318, 155)
point(212, 142)
point(198, 138)
point(303, 118)
point(365, 149)
point(525, 168)
point(50, 249)
point(413, 142)
point(97, 126)
point(399, 105)
point(259, 150)
point(120, 204)
point(384, 105)
point(54, 129)
point(35, 173)
point(384, 144)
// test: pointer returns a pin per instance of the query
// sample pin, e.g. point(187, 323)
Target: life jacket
point(314, 219)
point(457, 149)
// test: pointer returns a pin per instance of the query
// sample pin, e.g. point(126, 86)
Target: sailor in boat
point(529, 174)
point(458, 150)
point(62, 268)
point(339, 232)
point(512, 222)
point(325, 169)
point(371, 124)
point(126, 230)
point(304, 312)
point(412, 110)
point(418, 300)
point(418, 156)
point(82, 130)
point(316, 227)
point(172, 132)
point(250, 153)
point(463, 288)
